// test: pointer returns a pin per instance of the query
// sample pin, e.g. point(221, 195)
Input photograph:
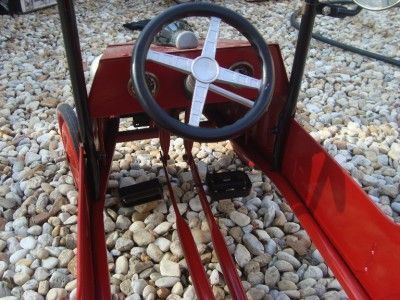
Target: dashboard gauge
point(152, 84)
point(243, 67)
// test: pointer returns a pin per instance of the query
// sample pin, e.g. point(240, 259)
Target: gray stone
point(242, 255)
point(169, 268)
point(214, 277)
point(138, 286)
point(269, 211)
point(190, 293)
point(65, 257)
point(32, 295)
point(285, 285)
point(226, 206)
point(251, 267)
point(262, 235)
point(201, 236)
point(307, 283)
point(121, 265)
point(162, 228)
point(283, 266)
point(31, 284)
point(335, 285)
point(291, 227)
point(195, 204)
point(41, 274)
point(4, 290)
point(390, 190)
point(143, 237)
point(154, 252)
point(177, 289)
point(289, 258)
point(396, 207)
point(123, 244)
point(149, 290)
point(21, 278)
point(16, 256)
point(56, 293)
point(255, 278)
point(126, 287)
point(272, 276)
point(253, 244)
point(163, 243)
point(50, 263)
point(239, 218)
point(292, 294)
point(313, 272)
point(59, 280)
point(394, 152)
point(166, 282)
point(255, 293)
point(122, 222)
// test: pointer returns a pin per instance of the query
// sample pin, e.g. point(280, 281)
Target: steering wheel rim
point(155, 111)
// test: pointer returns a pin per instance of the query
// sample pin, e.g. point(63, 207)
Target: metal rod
point(85, 288)
point(199, 278)
point(137, 134)
point(74, 58)
point(225, 259)
point(300, 56)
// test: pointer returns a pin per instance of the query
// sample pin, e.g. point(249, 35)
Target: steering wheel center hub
point(205, 69)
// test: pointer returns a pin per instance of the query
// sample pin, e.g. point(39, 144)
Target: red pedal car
point(254, 110)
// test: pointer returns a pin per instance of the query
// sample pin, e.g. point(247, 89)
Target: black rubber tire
point(66, 112)
point(158, 114)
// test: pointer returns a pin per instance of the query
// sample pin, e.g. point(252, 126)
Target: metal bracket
point(337, 9)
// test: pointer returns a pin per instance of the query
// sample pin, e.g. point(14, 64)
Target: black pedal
point(141, 120)
point(228, 185)
point(141, 193)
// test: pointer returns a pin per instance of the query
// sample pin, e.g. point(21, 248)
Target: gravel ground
point(349, 103)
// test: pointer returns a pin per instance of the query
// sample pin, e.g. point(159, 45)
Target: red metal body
point(359, 243)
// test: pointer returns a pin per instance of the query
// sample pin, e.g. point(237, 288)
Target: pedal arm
point(227, 265)
point(195, 266)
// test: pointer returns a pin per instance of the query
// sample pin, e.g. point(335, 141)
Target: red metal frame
point(360, 244)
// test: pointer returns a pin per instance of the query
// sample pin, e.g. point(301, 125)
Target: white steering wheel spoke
point(210, 43)
point(232, 77)
point(198, 100)
point(175, 62)
point(232, 96)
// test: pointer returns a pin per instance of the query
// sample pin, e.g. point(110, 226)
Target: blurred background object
point(23, 6)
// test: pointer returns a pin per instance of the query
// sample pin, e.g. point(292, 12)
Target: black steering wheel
point(205, 70)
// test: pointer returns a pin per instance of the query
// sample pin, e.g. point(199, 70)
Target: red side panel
point(365, 238)
point(360, 244)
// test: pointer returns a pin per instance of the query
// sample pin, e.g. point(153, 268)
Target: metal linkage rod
point(195, 266)
point(299, 62)
point(192, 256)
point(227, 265)
point(74, 58)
